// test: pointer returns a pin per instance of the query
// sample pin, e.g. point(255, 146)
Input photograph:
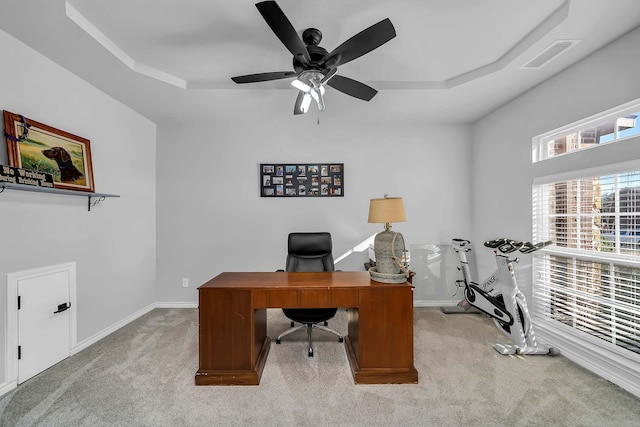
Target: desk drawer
point(345, 298)
point(275, 298)
point(304, 298)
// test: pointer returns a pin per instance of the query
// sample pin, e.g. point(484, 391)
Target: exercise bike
point(498, 296)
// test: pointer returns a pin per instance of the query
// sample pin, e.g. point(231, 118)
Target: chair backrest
point(310, 252)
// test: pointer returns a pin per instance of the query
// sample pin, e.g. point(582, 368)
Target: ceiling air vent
point(556, 49)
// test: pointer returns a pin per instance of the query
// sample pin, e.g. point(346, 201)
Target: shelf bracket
point(97, 199)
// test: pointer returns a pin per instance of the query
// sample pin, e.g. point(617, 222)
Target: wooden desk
point(234, 345)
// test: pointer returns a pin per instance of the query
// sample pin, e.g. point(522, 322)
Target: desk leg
point(233, 344)
point(380, 341)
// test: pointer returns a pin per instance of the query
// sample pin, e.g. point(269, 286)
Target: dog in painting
point(68, 172)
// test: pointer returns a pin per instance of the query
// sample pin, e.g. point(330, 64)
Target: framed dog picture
point(39, 147)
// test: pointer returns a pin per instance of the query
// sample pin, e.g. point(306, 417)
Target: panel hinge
point(19, 352)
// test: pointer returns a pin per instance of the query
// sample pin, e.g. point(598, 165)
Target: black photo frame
point(301, 179)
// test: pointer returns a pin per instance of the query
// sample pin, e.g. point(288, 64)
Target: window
point(588, 281)
point(615, 125)
point(585, 294)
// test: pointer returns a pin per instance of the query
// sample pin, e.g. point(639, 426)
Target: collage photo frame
point(302, 179)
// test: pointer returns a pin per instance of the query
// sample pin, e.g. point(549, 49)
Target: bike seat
point(460, 244)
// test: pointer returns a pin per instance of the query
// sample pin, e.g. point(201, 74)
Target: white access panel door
point(44, 328)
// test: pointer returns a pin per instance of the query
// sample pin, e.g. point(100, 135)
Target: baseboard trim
point(628, 379)
point(12, 383)
point(438, 303)
point(177, 304)
point(620, 370)
point(111, 329)
point(105, 332)
point(7, 387)
point(416, 303)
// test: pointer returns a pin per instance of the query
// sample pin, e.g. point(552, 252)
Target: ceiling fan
point(313, 66)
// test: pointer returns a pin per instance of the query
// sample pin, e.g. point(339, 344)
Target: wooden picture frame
point(46, 149)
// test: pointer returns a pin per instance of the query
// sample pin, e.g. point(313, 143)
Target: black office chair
point(309, 252)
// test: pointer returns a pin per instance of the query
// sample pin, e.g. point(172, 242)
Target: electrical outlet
point(185, 282)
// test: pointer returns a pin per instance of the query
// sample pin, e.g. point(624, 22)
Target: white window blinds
point(588, 281)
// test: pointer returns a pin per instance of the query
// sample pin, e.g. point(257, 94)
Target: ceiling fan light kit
point(310, 83)
point(313, 65)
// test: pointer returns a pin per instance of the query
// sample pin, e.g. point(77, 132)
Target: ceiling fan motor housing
point(311, 37)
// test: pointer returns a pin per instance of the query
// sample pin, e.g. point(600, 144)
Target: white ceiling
point(452, 60)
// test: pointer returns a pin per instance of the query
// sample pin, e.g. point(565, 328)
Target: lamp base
point(376, 276)
point(389, 248)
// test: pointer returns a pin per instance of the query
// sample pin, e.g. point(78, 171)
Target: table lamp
point(388, 245)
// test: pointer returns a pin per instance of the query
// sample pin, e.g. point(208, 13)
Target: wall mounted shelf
point(97, 197)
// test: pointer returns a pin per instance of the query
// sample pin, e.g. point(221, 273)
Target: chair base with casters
point(309, 319)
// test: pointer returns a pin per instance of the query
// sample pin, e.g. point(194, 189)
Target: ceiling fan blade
point(264, 77)
point(328, 76)
point(363, 42)
point(352, 87)
point(281, 26)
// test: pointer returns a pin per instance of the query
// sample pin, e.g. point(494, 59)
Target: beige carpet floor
point(143, 375)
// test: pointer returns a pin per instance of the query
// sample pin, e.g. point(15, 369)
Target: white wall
point(114, 244)
point(502, 169)
point(212, 219)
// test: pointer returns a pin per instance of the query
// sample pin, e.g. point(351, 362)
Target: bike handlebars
point(506, 246)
